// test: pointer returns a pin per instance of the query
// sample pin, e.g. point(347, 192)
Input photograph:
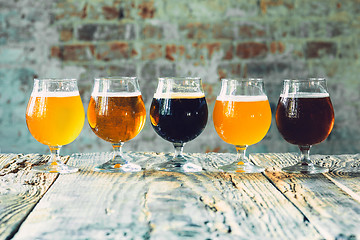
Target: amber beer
point(55, 118)
point(116, 117)
point(305, 118)
point(242, 120)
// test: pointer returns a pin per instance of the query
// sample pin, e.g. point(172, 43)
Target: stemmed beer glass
point(179, 114)
point(116, 114)
point(242, 117)
point(55, 117)
point(304, 117)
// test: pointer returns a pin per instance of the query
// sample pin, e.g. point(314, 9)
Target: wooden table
point(158, 205)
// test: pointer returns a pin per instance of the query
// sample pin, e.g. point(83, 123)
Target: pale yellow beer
point(55, 118)
point(242, 120)
point(116, 117)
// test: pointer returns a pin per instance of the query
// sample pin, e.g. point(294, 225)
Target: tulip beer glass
point(116, 114)
point(55, 117)
point(242, 117)
point(179, 114)
point(304, 117)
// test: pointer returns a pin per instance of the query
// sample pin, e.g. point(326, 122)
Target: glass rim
point(114, 78)
point(251, 79)
point(313, 79)
point(179, 78)
point(55, 79)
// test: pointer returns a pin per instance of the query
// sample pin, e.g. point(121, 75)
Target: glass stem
point(55, 154)
point(118, 153)
point(178, 149)
point(241, 154)
point(305, 155)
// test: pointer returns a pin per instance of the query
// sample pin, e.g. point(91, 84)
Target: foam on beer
point(242, 98)
point(304, 95)
point(180, 95)
point(115, 94)
point(55, 94)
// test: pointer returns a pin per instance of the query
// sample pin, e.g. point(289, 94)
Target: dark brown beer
point(179, 119)
point(305, 119)
point(116, 118)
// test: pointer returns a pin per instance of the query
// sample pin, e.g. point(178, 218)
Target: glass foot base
point(117, 167)
point(307, 169)
point(242, 168)
point(55, 167)
point(173, 166)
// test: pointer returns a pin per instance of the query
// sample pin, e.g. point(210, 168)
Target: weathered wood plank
point(158, 205)
point(332, 210)
point(20, 189)
point(345, 173)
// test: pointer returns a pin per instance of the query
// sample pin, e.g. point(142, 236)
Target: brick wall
point(273, 39)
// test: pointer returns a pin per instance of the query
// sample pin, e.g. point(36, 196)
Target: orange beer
point(116, 117)
point(242, 120)
point(55, 118)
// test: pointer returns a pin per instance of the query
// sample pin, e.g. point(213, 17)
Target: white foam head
point(180, 95)
point(55, 94)
point(304, 95)
point(115, 94)
point(242, 98)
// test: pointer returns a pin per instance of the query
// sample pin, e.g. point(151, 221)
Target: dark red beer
point(179, 119)
point(305, 119)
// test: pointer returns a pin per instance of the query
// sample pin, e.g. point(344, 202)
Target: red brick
point(69, 9)
point(320, 49)
point(66, 35)
point(277, 47)
point(251, 50)
point(56, 52)
point(250, 31)
point(112, 51)
point(172, 51)
point(196, 30)
point(151, 51)
point(211, 48)
point(229, 53)
point(84, 11)
point(73, 52)
point(264, 4)
point(133, 53)
point(78, 52)
point(151, 31)
point(146, 9)
point(116, 10)
point(223, 30)
point(110, 12)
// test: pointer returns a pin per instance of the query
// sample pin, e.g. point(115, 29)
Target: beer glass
point(116, 114)
point(179, 114)
point(55, 117)
point(304, 117)
point(242, 117)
